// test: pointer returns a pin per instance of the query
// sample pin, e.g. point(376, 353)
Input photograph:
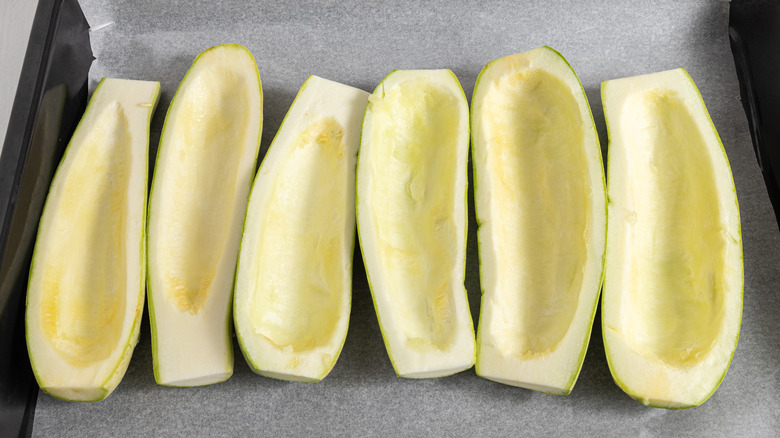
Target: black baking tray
point(52, 95)
point(50, 99)
point(754, 33)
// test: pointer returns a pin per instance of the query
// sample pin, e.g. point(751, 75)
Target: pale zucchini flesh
point(204, 168)
point(541, 205)
point(86, 288)
point(294, 279)
point(673, 289)
point(412, 223)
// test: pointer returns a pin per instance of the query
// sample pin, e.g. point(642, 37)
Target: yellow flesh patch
point(540, 196)
point(674, 240)
point(83, 299)
point(205, 149)
point(414, 142)
point(298, 268)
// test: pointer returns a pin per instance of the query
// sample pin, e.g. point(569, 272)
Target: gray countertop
point(358, 43)
point(16, 17)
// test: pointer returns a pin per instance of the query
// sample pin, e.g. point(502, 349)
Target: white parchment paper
point(358, 43)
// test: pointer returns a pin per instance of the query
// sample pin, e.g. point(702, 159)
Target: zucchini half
point(294, 280)
point(541, 208)
point(85, 295)
point(672, 303)
point(412, 223)
point(205, 164)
